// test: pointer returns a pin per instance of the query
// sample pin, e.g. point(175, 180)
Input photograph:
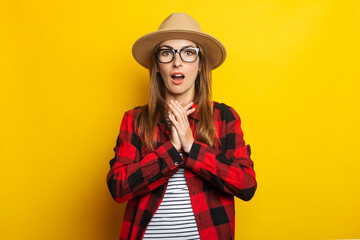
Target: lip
point(174, 73)
point(177, 82)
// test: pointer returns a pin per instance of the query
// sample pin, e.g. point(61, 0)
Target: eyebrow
point(167, 46)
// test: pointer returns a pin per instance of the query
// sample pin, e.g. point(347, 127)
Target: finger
point(187, 107)
point(190, 111)
point(173, 120)
point(174, 133)
point(181, 108)
point(186, 111)
point(175, 108)
point(179, 112)
point(176, 105)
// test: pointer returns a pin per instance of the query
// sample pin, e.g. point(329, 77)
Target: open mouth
point(177, 76)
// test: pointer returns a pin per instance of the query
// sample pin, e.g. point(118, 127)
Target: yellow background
point(67, 76)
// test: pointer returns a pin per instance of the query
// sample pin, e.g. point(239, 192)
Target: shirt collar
point(195, 115)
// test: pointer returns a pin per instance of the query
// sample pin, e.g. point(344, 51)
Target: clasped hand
point(181, 134)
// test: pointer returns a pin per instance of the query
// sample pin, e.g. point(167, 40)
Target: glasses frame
point(178, 51)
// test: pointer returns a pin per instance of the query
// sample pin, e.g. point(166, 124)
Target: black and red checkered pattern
point(214, 174)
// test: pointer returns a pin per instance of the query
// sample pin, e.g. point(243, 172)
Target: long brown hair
point(152, 113)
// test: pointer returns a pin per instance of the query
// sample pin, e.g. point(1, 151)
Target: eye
point(189, 52)
point(165, 52)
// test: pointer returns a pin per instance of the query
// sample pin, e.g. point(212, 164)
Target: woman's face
point(179, 76)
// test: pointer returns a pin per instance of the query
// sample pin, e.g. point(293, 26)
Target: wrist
point(188, 147)
point(176, 146)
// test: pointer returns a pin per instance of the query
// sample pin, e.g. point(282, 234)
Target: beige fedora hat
point(179, 26)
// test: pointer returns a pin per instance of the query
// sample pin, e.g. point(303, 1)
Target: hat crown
point(180, 21)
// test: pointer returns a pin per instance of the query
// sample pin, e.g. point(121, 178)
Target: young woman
point(180, 160)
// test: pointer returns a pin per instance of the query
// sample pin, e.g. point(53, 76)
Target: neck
point(184, 98)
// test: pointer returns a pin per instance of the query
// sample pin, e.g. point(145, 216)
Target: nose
point(177, 60)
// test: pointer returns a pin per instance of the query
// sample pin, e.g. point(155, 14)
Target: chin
point(176, 93)
point(178, 90)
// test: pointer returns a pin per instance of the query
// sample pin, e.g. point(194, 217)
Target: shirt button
point(176, 163)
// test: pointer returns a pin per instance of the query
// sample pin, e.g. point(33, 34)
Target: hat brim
point(143, 48)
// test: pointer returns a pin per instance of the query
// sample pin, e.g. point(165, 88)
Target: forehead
point(178, 43)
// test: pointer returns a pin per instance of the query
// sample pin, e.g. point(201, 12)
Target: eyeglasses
point(188, 54)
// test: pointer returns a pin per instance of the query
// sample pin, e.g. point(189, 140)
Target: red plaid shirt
point(214, 175)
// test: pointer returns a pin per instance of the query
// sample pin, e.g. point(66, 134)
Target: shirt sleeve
point(229, 169)
point(131, 176)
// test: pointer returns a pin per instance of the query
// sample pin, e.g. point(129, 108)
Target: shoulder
point(225, 112)
point(133, 111)
point(132, 114)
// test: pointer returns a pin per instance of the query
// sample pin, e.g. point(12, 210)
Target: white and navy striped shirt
point(174, 218)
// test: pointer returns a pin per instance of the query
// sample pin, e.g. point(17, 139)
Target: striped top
point(174, 218)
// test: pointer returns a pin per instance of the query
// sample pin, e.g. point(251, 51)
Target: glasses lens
point(165, 55)
point(188, 54)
